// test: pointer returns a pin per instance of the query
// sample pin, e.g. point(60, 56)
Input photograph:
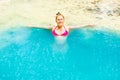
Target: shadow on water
point(34, 54)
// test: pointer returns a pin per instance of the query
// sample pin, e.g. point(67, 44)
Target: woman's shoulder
point(67, 28)
point(53, 27)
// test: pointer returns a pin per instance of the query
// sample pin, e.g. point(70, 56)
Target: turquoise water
point(34, 54)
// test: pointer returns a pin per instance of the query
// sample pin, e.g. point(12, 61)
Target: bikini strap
point(54, 28)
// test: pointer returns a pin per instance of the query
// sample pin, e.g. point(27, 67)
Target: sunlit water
point(34, 54)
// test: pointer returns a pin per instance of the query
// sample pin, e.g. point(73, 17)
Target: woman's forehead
point(59, 17)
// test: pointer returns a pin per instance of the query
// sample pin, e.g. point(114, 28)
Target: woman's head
point(59, 19)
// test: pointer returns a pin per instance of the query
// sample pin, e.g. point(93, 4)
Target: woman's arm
point(75, 27)
point(38, 26)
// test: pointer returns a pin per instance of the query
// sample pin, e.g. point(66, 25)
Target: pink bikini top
point(63, 34)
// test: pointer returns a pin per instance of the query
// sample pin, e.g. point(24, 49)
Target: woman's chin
point(61, 25)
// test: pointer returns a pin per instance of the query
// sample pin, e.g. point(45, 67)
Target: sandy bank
point(102, 13)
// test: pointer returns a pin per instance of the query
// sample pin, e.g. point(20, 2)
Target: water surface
point(34, 54)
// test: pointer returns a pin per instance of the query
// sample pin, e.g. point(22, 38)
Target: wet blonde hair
point(59, 14)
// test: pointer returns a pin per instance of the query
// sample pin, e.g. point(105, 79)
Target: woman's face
point(60, 21)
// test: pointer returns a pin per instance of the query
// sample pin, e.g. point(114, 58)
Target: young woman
point(60, 29)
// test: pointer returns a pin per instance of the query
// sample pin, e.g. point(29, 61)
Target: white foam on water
point(15, 36)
